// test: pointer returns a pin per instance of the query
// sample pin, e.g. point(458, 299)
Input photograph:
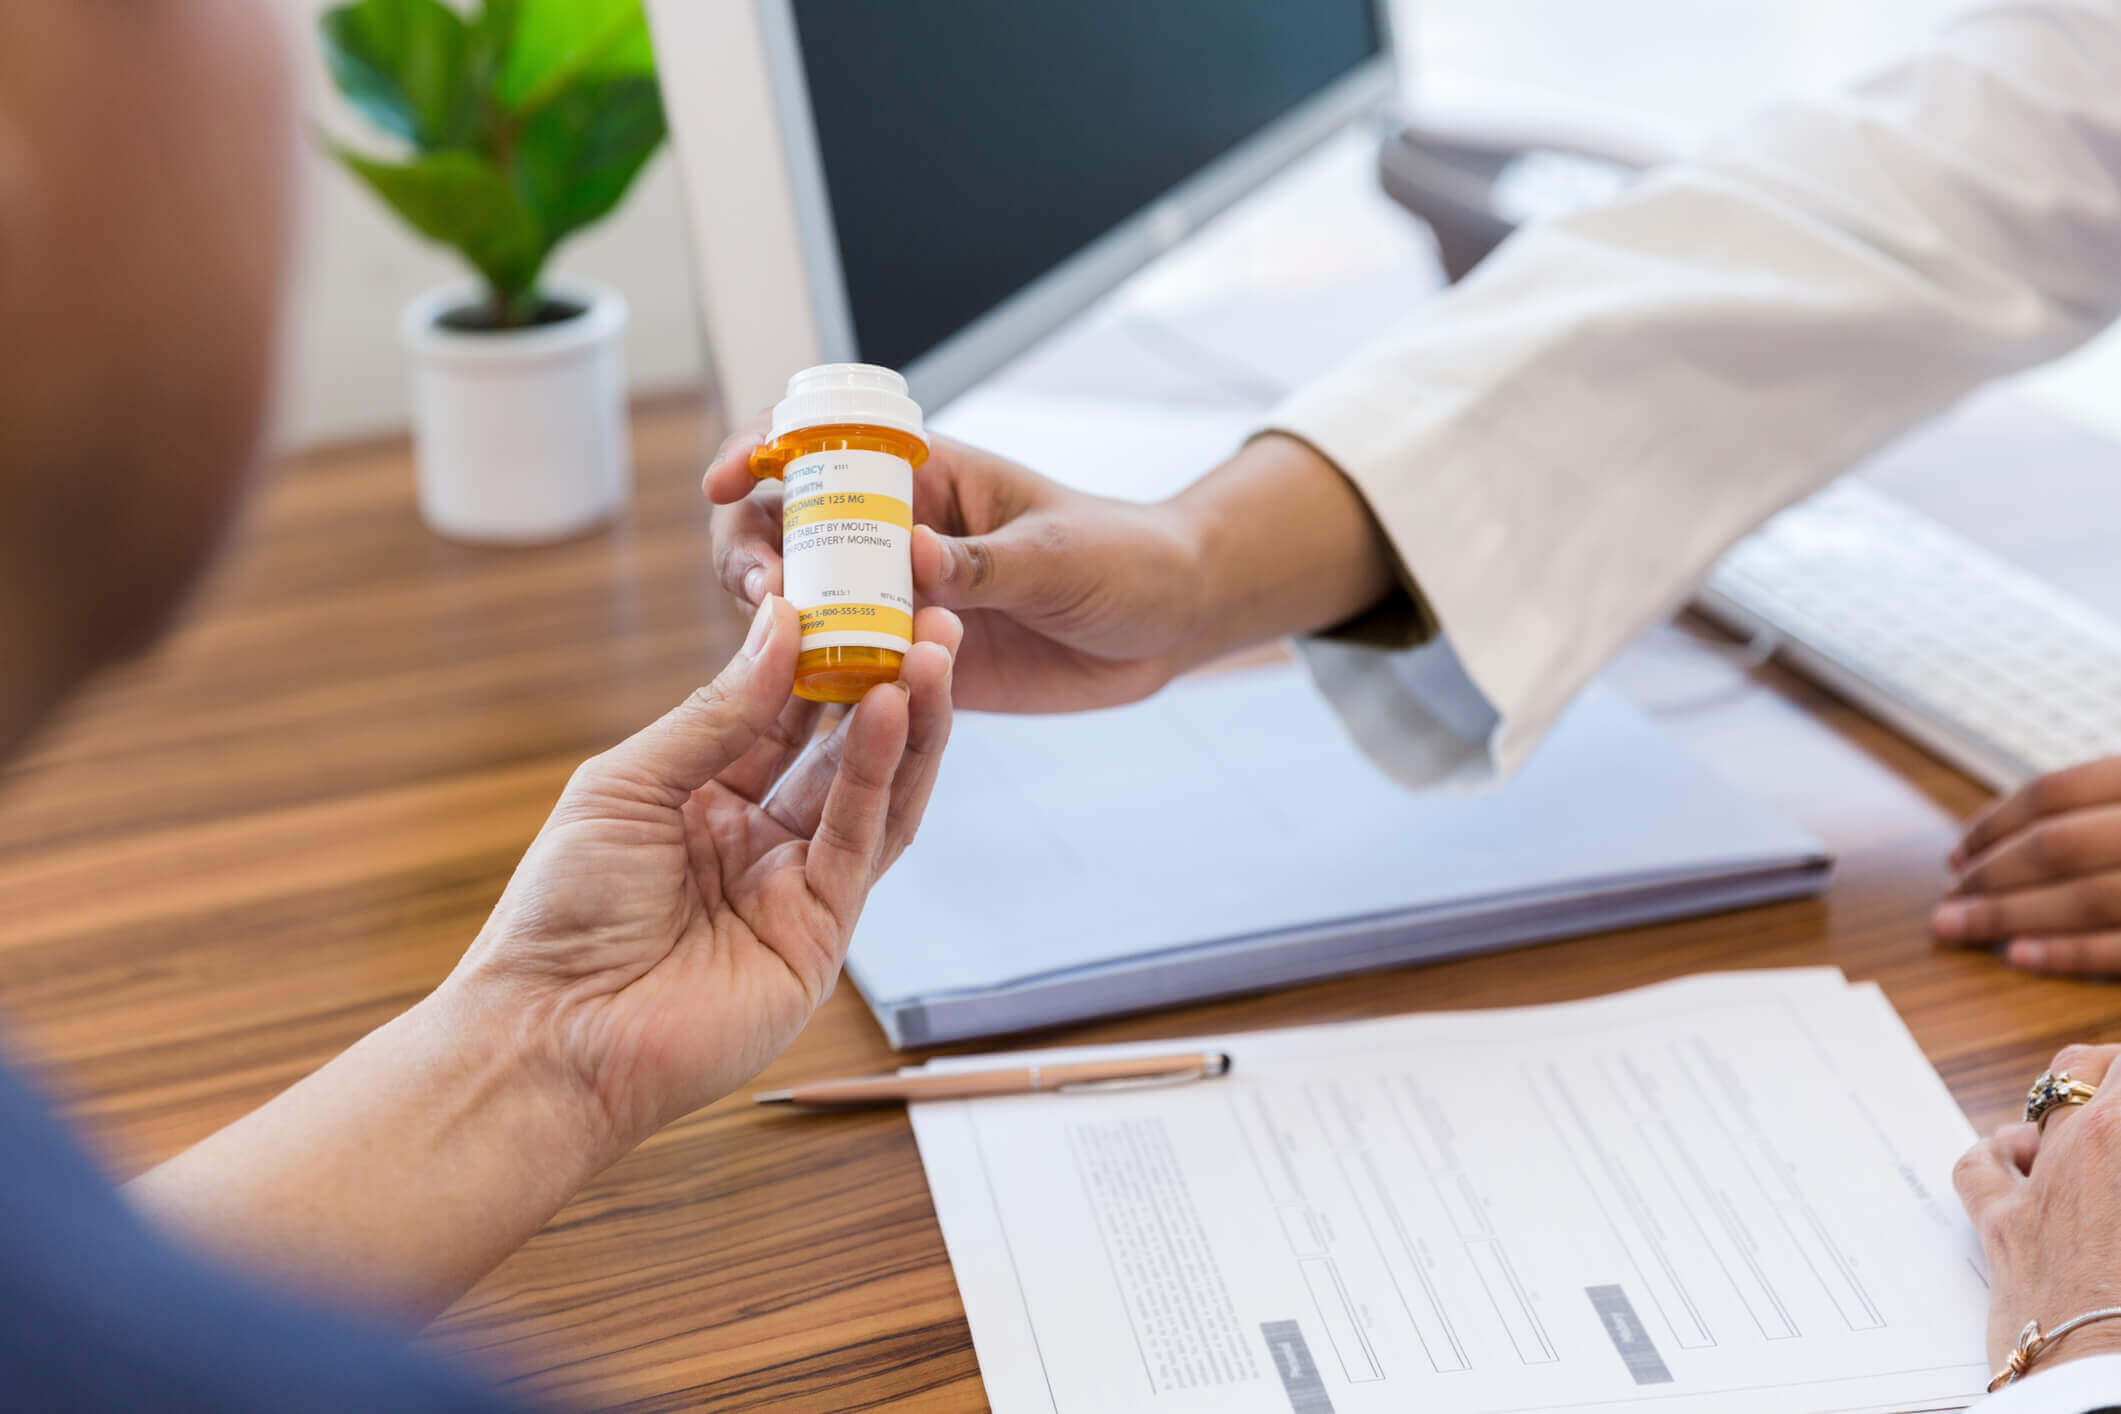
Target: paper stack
point(1729, 1194)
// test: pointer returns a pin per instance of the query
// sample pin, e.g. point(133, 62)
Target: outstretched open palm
point(689, 903)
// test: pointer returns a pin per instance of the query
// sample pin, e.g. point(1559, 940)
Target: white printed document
point(1727, 1194)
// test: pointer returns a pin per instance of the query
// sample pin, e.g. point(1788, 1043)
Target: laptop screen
point(969, 147)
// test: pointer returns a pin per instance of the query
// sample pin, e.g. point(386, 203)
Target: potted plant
point(513, 126)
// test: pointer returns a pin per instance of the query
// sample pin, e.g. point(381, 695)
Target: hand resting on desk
point(2048, 1207)
point(2040, 873)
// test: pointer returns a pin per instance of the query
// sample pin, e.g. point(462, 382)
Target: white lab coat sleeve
point(2078, 1387)
point(1560, 447)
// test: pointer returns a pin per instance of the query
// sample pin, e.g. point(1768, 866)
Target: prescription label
point(847, 547)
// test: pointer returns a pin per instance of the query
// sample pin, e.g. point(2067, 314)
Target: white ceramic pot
point(521, 436)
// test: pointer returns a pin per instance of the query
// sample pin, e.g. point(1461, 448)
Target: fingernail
point(761, 626)
point(1949, 921)
point(755, 583)
point(2025, 954)
point(947, 570)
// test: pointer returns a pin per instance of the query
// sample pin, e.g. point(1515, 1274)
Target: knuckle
point(588, 776)
point(833, 834)
point(2001, 1237)
point(832, 748)
point(2098, 1126)
point(864, 776)
point(1978, 839)
point(2063, 955)
point(2072, 1057)
point(709, 702)
point(1051, 536)
point(786, 736)
point(922, 752)
point(897, 841)
point(2048, 847)
point(2097, 1061)
point(730, 569)
point(2059, 790)
point(744, 437)
point(979, 564)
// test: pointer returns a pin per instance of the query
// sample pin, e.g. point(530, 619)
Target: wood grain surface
point(227, 863)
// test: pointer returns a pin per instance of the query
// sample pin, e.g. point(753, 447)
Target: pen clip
point(1136, 1082)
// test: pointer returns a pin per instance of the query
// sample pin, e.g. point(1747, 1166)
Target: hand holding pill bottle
point(845, 442)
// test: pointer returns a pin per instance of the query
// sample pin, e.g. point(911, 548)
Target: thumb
point(1011, 569)
point(702, 736)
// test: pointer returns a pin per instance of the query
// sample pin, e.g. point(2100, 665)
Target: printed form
point(1731, 1193)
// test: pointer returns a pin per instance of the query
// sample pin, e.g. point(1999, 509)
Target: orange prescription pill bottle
point(845, 442)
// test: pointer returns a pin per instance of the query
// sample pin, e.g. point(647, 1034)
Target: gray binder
point(1227, 836)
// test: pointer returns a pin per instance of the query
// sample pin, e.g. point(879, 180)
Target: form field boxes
point(1357, 1360)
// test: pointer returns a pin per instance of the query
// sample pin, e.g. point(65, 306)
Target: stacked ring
point(2054, 1090)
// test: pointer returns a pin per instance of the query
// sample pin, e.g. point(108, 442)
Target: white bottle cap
point(834, 393)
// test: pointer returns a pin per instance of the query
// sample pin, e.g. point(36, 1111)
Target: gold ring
point(2053, 1091)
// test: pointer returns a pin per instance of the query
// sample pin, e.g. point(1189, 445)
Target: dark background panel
point(971, 147)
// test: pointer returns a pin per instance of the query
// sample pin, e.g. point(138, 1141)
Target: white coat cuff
point(1412, 711)
point(2079, 1387)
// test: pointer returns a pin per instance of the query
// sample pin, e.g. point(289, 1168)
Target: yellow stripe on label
point(858, 618)
point(847, 505)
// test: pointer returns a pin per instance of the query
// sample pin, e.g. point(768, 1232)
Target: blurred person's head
point(145, 168)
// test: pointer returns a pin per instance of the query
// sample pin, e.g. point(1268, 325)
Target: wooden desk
point(230, 862)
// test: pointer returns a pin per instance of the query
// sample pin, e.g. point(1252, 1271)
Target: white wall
point(1686, 67)
point(1690, 67)
point(1682, 66)
point(343, 376)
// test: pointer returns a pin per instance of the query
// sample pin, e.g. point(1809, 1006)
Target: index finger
point(1991, 1173)
point(2062, 847)
point(729, 477)
point(2093, 783)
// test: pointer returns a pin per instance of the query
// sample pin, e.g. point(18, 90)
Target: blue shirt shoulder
point(99, 1312)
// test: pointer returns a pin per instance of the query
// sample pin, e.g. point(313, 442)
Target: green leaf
point(465, 202)
point(404, 64)
point(559, 43)
point(533, 118)
point(493, 33)
point(577, 158)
